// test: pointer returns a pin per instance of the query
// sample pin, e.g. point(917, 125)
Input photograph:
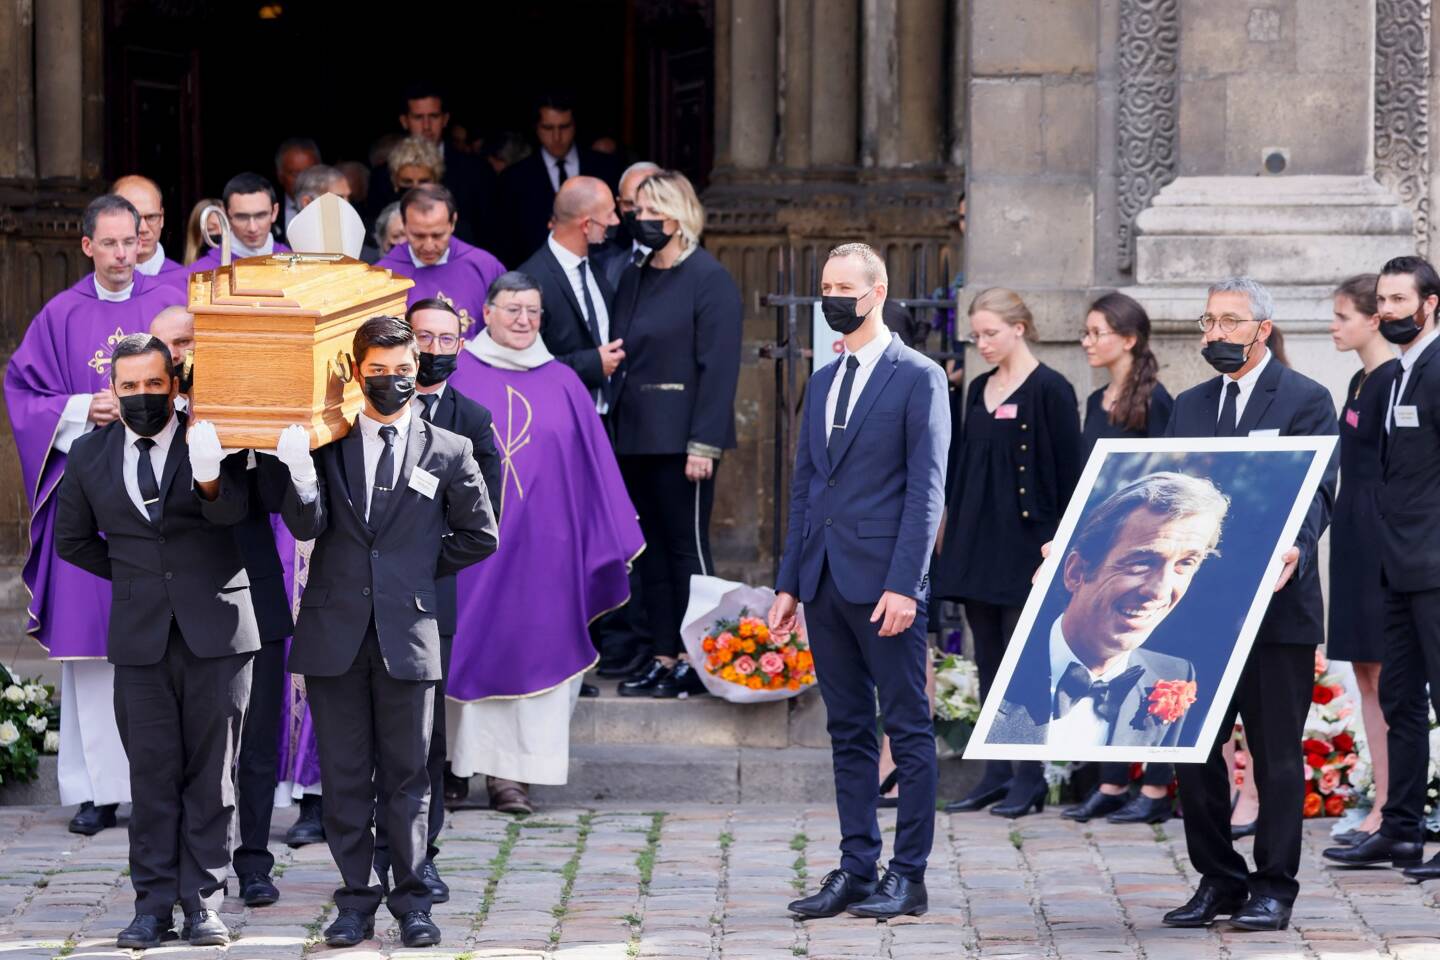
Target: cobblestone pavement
point(712, 882)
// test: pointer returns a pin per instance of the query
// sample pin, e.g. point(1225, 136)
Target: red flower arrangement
point(743, 651)
point(1329, 747)
point(1169, 699)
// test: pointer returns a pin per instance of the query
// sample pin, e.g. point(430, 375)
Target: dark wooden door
point(675, 43)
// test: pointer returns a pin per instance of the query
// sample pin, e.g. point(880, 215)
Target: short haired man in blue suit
point(865, 507)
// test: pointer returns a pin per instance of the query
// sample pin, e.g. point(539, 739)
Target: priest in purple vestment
point(251, 208)
point(144, 195)
point(56, 389)
point(442, 266)
point(565, 522)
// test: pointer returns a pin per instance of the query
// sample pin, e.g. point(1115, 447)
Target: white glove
point(293, 450)
point(205, 452)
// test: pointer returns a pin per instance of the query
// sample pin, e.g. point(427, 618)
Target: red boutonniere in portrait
point(1169, 699)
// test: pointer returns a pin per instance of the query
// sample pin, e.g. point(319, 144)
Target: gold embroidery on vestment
point(511, 444)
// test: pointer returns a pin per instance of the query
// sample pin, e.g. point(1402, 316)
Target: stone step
point(669, 773)
point(700, 721)
point(13, 595)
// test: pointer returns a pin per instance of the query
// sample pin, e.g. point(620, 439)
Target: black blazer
point(563, 326)
point(462, 416)
point(471, 181)
point(1409, 508)
point(186, 567)
point(256, 539)
point(675, 390)
point(1298, 407)
point(385, 576)
point(527, 199)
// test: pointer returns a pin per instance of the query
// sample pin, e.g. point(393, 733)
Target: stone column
point(920, 85)
point(753, 28)
point(796, 28)
point(834, 83)
point(17, 112)
point(59, 90)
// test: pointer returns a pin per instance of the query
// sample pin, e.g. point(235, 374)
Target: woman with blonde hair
point(195, 233)
point(672, 410)
point(415, 161)
point(1016, 465)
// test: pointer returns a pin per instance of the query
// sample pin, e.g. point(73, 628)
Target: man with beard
point(1128, 566)
point(144, 195)
point(251, 209)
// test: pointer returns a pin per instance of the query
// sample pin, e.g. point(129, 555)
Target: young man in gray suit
point(865, 507)
point(393, 506)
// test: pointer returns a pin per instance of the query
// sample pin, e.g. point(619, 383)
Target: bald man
point(625, 250)
point(576, 297)
point(175, 327)
point(144, 195)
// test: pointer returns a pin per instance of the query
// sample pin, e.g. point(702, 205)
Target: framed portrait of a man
point(1140, 619)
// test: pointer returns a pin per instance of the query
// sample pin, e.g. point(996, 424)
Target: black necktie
point(384, 478)
point(145, 478)
point(842, 405)
point(590, 319)
point(1076, 684)
point(560, 174)
point(428, 400)
point(1225, 426)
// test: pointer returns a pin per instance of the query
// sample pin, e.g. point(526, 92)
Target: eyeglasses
point(154, 219)
point(447, 341)
point(246, 219)
point(1095, 336)
point(1227, 321)
point(514, 310)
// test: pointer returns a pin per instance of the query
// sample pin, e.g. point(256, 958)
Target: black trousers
point(1412, 660)
point(675, 519)
point(373, 735)
point(1272, 699)
point(1156, 774)
point(990, 628)
point(180, 721)
point(852, 663)
point(255, 772)
point(434, 766)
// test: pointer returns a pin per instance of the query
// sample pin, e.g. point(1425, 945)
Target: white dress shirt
point(1407, 363)
point(420, 406)
point(1082, 725)
point(868, 355)
point(374, 446)
point(571, 265)
point(420, 264)
point(75, 417)
point(152, 266)
point(158, 453)
point(1247, 387)
point(552, 166)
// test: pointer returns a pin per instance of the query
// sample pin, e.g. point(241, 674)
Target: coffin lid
point(292, 284)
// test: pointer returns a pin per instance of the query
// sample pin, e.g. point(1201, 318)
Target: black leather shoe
point(1143, 809)
point(643, 685)
point(1350, 837)
point(439, 889)
point(976, 800)
point(204, 928)
point(350, 929)
point(1239, 831)
point(683, 679)
point(1429, 870)
point(1202, 909)
point(895, 897)
point(884, 800)
point(1377, 850)
point(145, 932)
point(589, 690)
point(1261, 913)
point(456, 788)
point(1018, 807)
point(1096, 805)
point(838, 890)
point(257, 890)
point(622, 666)
point(310, 827)
point(418, 930)
point(90, 819)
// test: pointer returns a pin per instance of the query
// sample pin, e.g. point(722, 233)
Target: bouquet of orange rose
point(740, 659)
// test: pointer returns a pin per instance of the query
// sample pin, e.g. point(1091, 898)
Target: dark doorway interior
point(198, 90)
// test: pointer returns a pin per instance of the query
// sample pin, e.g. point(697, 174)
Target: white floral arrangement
point(29, 727)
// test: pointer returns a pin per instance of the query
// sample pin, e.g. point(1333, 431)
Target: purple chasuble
point(175, 274)
point(299, 756)
point(461, 281)
point(567, 531)
point(211, 261)
point(66, 351)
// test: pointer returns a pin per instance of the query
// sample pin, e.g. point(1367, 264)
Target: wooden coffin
point(273, 340)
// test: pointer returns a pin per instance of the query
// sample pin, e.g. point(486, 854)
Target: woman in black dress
point(1016, 467)
point(1357, 614)
point(673, 412)
point(1133, 405)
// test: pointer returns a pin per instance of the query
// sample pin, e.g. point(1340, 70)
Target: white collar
point(1061, 656)
point(437, 394)
point(113, 296)
point(1408, 358)
point(487, 351)
point(421, 265)
point(567, 259)
point(238, 249)
point(871, 353)
point(636, 245)
point(182, 403)
point(572, 161)
point(157, 260)
point(162, 439)
point(370, 429)
point(1247, 382)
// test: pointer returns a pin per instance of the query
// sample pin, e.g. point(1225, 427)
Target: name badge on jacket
point(1407, 415)
point(424, 483)
point(1265, 433)
point(1352, 417)
point(1007, 411)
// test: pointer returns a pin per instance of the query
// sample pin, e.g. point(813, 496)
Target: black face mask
point(625, 232)
point(841, 313)
point(146, 413)
point(1403, 330)
point(435, 367)
point(184, 371)
point(651, 233)
point(389, 394)
point(215, 239)
point(1226, 357)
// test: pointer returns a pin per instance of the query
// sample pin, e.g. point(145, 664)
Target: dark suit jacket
point(187, 566)
point(563, 326)
point(1298, 407)
point(872, 507)
point(527, 199)
point(462, 416)
point(256, 539)
point(1025, 710)
point(359, 575)
point(470, 180)
point(1410, 492)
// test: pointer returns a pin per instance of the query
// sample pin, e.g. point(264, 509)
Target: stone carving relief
point(1148, 114)
point(1402, 106)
